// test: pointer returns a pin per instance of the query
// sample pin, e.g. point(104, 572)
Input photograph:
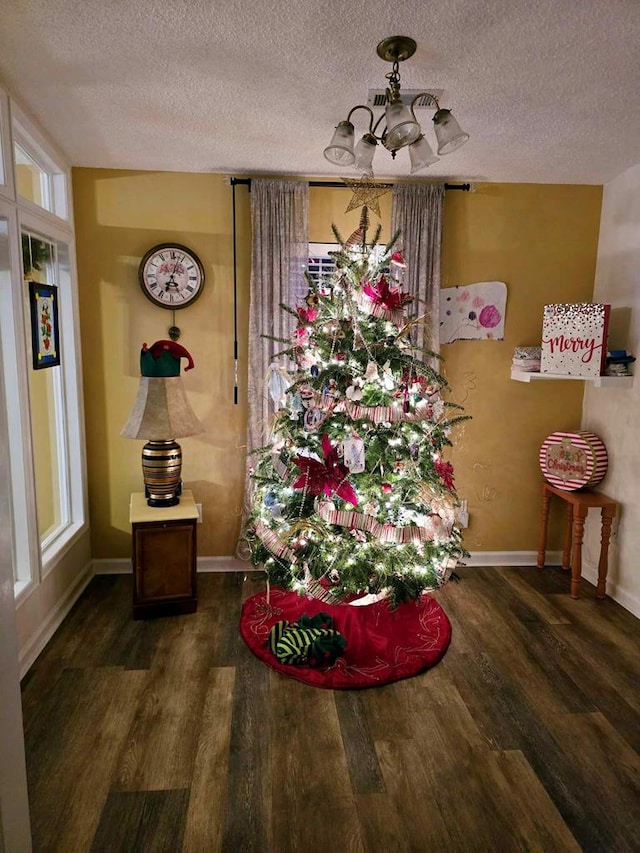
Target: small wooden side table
point(578, 504)
point(164, 556)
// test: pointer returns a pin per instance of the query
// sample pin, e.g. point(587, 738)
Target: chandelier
point(397, 127)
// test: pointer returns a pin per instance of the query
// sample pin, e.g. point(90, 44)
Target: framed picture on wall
point(45, 334)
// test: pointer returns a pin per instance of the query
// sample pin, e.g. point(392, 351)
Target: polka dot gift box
point(574, 339)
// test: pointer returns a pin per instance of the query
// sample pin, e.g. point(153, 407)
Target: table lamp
point(162, 413)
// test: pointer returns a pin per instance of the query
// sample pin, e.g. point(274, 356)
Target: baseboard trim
point(119, 566)
point(122, 566)
point(224, 564)
point(614, 591)
point(477, 559)
point(35, 645)
point(511, 558)
point(233, 564)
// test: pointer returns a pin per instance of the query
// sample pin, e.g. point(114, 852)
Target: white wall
point(615, 414)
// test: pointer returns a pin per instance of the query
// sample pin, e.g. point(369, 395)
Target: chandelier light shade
point(364, 151)
point(421, 154)
point(340, 149)
point(162, 413)
point(449, 134)
point(397, 127)
point(402, 128)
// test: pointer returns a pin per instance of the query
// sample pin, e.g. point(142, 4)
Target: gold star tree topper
point(365, 192)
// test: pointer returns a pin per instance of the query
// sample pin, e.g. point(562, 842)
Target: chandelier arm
point(362, 107)
point(420, 95)
point(375, 127)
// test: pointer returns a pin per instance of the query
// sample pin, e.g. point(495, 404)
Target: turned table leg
point(568, 536)
point(607, 513)
point(542, 544)
point(578, 535)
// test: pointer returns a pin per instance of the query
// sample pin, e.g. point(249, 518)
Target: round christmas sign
point(573, 460)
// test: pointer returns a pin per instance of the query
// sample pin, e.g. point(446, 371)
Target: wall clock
point(171, 276)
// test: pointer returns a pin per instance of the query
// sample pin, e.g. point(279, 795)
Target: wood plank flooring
point(169, 735)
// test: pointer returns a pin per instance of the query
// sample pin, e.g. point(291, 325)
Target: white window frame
point(33, 560)
point(56, 184)
point(13, 357)
point(7, 186)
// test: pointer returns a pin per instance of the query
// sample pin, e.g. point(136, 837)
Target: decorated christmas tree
point(353, 495)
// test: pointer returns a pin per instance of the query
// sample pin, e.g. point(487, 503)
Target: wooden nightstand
point(164, 556)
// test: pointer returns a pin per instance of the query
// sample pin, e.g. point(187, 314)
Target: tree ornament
point(353, 454)
point(387, 296)
point(354, 391)
point(387, 488)
point(326, 477)
point(312, 419)
point(397, 259)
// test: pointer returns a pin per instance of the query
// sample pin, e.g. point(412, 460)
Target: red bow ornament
point(326, 477)
point(381, 293)
point(445, 472)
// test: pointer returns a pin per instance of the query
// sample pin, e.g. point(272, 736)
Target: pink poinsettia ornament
point(307, 315)
point(383, 294)
point(326, 477)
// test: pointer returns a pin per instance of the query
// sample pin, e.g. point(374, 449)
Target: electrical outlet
point(463, 514)
point(199, 508)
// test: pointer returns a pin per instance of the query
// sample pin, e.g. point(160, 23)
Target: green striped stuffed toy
point(311, 641)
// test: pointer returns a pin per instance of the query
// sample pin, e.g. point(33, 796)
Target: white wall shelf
point(598, 381)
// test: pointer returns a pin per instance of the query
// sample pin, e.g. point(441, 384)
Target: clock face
point(171, 275)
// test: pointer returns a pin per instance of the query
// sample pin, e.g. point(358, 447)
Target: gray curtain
point(280, 250)
point(417, 214)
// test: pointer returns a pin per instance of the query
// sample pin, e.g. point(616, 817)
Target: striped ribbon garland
point(388, 414)
point(273, 543)
point(384, 532)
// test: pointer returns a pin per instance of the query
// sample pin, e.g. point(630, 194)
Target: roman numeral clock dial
point(171, 276)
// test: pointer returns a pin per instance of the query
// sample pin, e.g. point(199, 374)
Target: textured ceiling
point(547, 89)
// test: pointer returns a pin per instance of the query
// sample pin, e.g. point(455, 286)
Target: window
point(40, 181)
point(321, 263)
point(40, 264)
point(44, 406)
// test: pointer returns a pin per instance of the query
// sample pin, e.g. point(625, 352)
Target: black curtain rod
point(338, 184)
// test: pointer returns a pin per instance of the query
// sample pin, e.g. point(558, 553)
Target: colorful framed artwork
point(45, 334)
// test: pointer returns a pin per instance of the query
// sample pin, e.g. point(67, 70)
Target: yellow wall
point(119, 216)
point(541, 240)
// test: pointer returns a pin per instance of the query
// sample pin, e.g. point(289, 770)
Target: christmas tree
point(353, 496)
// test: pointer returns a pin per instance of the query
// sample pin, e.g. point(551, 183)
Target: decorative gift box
point(573, 460)
point(574, 339)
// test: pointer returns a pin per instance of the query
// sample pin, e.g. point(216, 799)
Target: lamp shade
point(448, 132)
point(364, 151)
point(421, 155)
point(161, 410)
point(340, 150)
point(402, 128)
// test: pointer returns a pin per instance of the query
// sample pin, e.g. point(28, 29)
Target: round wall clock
point(171, 275)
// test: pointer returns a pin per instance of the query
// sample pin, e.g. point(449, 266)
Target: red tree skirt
point(383, 645)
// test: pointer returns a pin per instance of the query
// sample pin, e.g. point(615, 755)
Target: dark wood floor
point(168, 735)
